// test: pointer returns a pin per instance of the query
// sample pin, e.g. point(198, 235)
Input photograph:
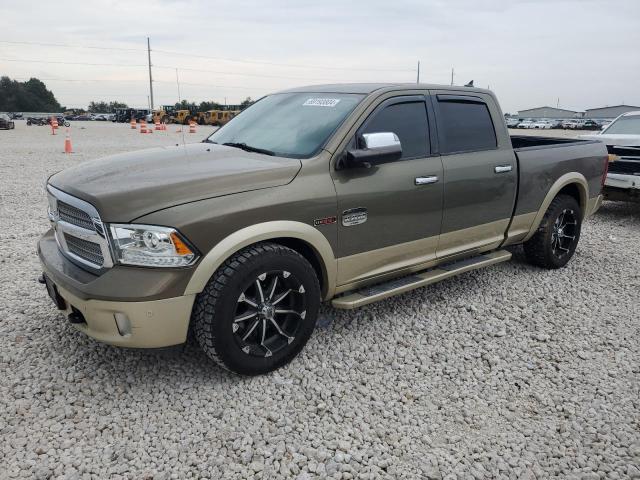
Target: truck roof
point(368, 88)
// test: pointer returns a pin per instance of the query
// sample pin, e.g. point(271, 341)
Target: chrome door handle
point(426, 180)
point(502, 168)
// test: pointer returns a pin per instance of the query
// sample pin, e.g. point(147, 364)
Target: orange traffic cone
point(53, 130)
point(143, 126)
point(157, 125)
point(54, 123)
point(134, 125)
point(192, 127)
point(67, 143)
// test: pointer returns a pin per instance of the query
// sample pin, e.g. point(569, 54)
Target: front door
point(480, 174)
point(389, 215)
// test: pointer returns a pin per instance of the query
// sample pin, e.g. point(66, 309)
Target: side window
point(465, 126)
point(408, 121)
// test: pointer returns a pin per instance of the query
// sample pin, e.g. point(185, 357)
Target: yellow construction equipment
point(218, 117)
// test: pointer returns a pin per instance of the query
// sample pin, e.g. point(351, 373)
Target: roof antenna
point(470, 84)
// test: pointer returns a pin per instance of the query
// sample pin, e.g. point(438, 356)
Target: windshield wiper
point(206, 140)
point(249, 148)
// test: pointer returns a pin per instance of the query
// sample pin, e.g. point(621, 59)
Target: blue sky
point(531, 53)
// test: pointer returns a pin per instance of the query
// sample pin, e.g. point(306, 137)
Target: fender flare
point(258, 233)
point(567, 179)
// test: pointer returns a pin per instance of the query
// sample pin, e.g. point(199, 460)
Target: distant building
point(609, 112)
point(547, 112)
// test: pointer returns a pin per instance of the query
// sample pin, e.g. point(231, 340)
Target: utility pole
point(418, 78)
point(452, 76)
point(150, 79)
point(558, 103)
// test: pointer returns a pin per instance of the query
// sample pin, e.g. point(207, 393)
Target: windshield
point(629, 125)
point(289, 124)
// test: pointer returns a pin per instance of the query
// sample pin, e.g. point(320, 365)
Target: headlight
point(150, 246)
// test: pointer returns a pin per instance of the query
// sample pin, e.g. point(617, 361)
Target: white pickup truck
point(622, 137)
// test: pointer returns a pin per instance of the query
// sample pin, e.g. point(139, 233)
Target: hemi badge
point(324, 221)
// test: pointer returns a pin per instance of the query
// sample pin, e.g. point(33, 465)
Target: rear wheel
point(258, 310)
point(556, 239)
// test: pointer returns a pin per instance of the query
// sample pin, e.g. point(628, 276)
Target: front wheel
point(556, 239)
point(258, 310)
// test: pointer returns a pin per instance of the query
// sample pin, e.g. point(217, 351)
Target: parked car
point(590, 125)
point(526, 124)
point(346, 194)
point(622, 137)
point(513, 122)
point(83, 117)
point(16, 116)
point(6, 123)
point(571, 124)
point(542, 124)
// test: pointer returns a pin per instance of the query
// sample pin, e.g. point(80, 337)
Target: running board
point(366, 295)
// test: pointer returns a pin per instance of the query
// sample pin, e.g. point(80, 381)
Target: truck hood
point(613, 139)
point(126, 186)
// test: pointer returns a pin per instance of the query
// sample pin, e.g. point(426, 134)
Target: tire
point(557, 237)
point(244, 334)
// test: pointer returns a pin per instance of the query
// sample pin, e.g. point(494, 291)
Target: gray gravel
point(509, 372)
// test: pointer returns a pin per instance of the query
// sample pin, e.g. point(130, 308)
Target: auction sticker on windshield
point(321, 102)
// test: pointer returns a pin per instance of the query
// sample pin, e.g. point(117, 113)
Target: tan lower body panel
point(487, 236)
point(418, 255)
point(520, 228)
point(593, 205)
point(153, 324)
point(358, 298)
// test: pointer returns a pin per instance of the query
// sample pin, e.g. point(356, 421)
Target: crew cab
point(622, 138)
point(347, 194)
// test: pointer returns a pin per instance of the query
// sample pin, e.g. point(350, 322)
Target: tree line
point(33, 96)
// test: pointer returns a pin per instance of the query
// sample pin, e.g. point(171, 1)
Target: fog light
point(123, 323)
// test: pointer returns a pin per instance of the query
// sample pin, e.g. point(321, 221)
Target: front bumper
point(621, 187)
point(129, 307)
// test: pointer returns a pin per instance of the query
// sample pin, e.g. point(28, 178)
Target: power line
point(65, 45)
point(276, 64)
point(102, 80)
point(219, 72)
point(73, 63)
point(209, 57)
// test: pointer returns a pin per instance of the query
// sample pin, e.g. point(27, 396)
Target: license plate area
point(52, 290)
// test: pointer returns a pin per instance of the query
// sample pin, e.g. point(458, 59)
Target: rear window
point(465, 126)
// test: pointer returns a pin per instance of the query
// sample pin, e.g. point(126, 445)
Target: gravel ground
point(509, 372)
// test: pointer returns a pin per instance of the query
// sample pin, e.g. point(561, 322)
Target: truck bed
point(543, 160)
point(522, 142)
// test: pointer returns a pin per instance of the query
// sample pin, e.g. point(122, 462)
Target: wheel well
point(574, 190)
point(309, 253)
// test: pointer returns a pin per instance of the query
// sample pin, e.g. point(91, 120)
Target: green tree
point(247, 102)
point(204, 106)
point(29, 96)
point(186, 105)
point(104, 107)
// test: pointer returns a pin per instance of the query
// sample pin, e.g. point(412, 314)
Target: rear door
point(480, 172)
point(389, 215)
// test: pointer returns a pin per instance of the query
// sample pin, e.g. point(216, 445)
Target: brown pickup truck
point(347, 194)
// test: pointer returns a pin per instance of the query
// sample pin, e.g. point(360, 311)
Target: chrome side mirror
point(377, 147)
point(380, 140)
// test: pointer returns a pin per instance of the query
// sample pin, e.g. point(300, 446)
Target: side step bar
point(366, 295)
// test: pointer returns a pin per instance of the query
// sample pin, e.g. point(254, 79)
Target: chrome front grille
point(74, 216)
point(79, 230)
point(85, 249)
